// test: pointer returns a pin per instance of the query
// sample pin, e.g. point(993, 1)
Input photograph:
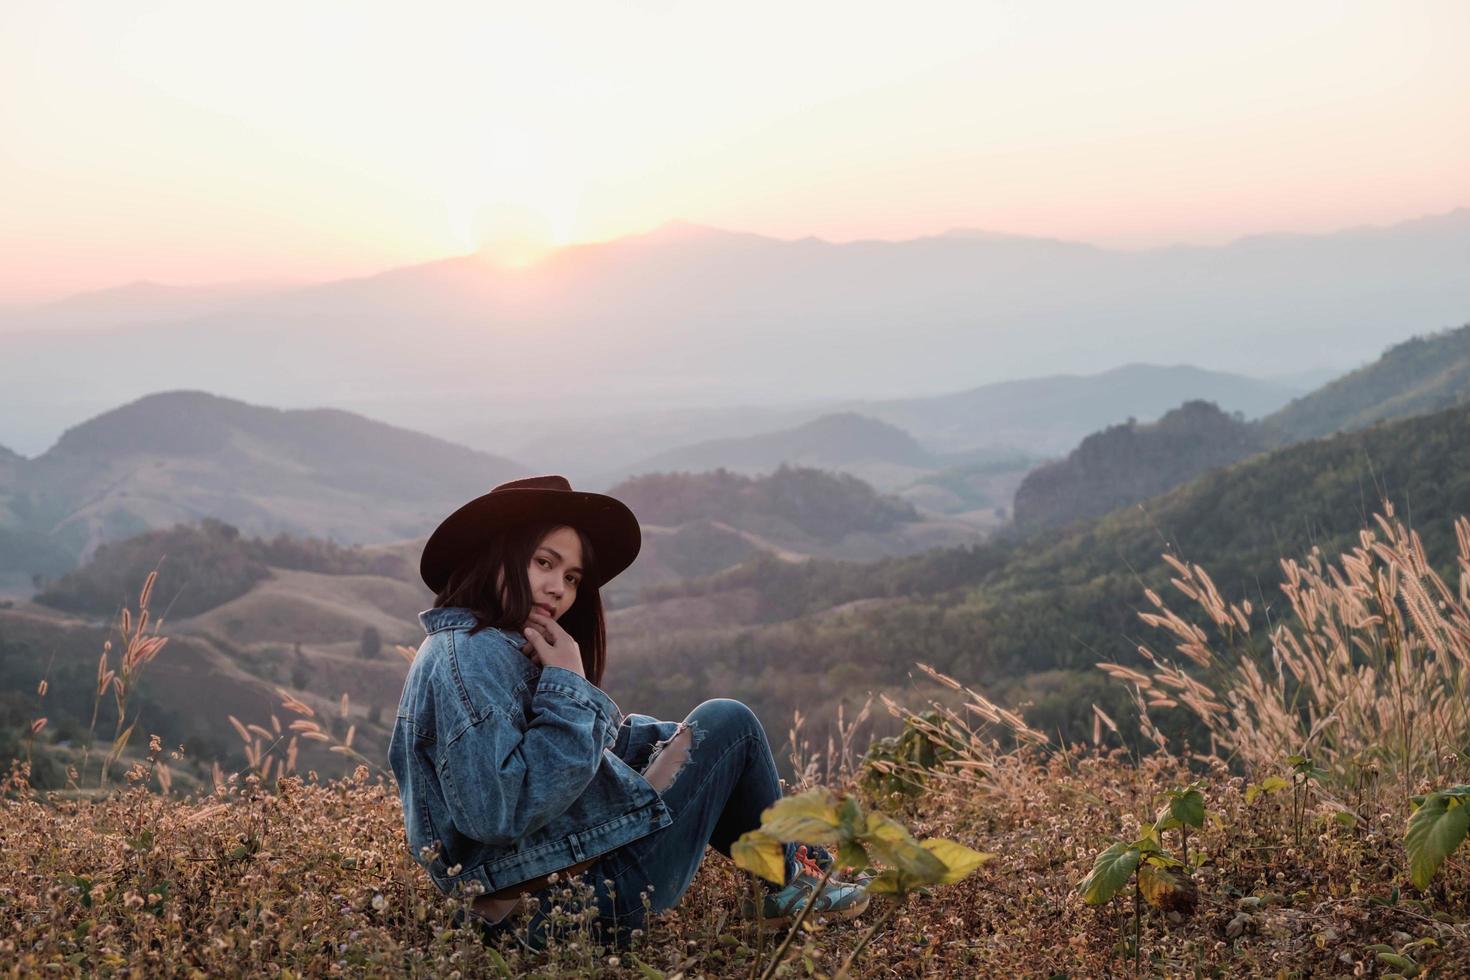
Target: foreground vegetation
point(1315, 828)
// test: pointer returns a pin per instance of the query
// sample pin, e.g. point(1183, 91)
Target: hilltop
point(1124, 464)
point(844, 441)
point(175, 456)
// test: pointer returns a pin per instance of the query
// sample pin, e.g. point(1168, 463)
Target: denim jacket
point(508, 771)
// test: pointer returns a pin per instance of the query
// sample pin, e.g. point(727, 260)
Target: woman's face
point(556, 571)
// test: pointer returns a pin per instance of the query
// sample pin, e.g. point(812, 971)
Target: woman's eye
point(543, 562)
point(572, 580)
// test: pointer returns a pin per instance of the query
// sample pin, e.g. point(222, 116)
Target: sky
point(196, 142)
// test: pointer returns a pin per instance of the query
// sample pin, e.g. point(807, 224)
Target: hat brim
point(605, 520)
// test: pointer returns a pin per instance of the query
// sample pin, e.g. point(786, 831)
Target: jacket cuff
point(570, 684)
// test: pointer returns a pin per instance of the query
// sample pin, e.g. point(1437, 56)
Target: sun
point(512, 201)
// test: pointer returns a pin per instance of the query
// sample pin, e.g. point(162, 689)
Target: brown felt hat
point(606, 520)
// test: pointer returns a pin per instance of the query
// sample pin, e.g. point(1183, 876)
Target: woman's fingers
point(535, 645)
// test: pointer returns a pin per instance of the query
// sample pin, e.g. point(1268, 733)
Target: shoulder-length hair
point(475, 585)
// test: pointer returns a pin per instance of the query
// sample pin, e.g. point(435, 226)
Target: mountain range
point(474, 352)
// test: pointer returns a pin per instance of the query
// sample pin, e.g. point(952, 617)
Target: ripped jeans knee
point(672, 755)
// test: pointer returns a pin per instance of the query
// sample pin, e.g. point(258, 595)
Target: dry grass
point(270, 873)
point(1366, 676)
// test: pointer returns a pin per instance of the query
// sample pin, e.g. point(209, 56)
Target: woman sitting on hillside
point(513, 765)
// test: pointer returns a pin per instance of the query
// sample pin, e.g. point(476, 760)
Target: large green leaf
point(760, 854)
point(1188, 808)
point(959, 860)
point(809, 817)
point(1110, 872)
point(1435, 829)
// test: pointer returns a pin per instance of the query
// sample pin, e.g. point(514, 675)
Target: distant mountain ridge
point(1052, 414)
point(726, 318)
point(176, 456)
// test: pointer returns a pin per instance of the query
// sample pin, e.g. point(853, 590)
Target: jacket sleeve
point(637, 736)
point(502, 784)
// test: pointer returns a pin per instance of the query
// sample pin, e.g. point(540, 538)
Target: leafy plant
point(1438, 825)
point(1185, 809)
point(1400, 960)
point(1149, 867)
point(861, 838)
point(896, 766)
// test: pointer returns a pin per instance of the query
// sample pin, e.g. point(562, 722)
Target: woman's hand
point(550, 645)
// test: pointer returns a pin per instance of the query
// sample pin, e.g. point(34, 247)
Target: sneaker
point(824, 859)
point(839, 899)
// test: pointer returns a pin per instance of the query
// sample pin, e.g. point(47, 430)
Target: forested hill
point(204, 566)
point(1423, 374)
point(1126, 463)
point(1064, 600)
point(825, 506)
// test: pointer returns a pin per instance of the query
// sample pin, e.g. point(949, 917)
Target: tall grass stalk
point(1370, 668)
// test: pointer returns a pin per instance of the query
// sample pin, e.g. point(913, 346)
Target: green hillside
point(1004, 614)
point(1420, 375)
point(1127, 463)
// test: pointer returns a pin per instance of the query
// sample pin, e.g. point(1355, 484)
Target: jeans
point(716, 794)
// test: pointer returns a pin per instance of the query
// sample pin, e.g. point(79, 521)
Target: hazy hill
point(1004, 611)
point(1420, 375)
point(879, 452)
point(1051, 414)
point(696, 524)
point(708, 317)
point(179, 456)
point(1124, 464)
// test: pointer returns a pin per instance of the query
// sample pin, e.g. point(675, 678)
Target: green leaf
point(887, 883)
point(1110, 872)
point(1274, 784)
point(760, 854)
point(959, 861)
point(892, 844)
point(649, 973)
point(1435, 829)
point(1165, 819)
point(809, 817)
point(501, 967)
point(850, 819)
point(1188, 808)
point(1396, 960)
point(852, 854)
point(917, 863)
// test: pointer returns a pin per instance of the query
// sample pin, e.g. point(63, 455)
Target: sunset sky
point(198, 141)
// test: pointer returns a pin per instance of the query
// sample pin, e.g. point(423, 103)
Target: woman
point(514, 768)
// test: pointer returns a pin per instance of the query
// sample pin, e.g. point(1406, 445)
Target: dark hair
point(473, 586)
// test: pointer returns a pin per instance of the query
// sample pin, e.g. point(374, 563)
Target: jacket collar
point(446, 618)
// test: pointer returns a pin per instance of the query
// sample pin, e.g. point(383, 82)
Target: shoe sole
point(851, 912)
